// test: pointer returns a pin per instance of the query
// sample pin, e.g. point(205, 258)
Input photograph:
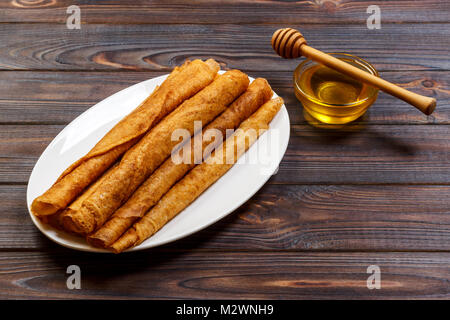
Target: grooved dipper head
point(287, 43)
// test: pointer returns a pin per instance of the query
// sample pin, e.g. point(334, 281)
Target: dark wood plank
point(280, 217)
point(58, 97)
point(358, 154)
point(20, 147)
point(224, 11)
point(367, 154)
point(246, 47)
point(226, 275)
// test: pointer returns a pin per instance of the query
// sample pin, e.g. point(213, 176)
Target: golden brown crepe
point(55, 220)
point(182, 83)
point(170, 172)
point(144, 157)
point(200, 178)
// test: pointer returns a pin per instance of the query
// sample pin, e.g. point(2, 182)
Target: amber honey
point(331, 97)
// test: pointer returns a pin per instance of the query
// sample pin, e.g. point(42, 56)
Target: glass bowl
point(331, 97)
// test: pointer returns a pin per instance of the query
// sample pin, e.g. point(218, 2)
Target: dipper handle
point(289, 43)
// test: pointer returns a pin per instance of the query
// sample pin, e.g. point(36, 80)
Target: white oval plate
point(240, 183)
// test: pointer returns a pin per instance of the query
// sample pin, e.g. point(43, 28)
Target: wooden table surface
point(374, 193)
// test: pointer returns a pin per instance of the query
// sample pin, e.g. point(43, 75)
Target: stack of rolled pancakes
point(127, 187)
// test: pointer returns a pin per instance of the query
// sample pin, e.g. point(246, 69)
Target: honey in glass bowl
point(332, 97)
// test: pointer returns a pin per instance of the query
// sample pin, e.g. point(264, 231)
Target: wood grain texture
point(59, 97)
point(245, 47)
point(223, 11)
point(296, 217)
point(361, 154)
point(357, 154)
point(200, 275)
point(376, 192)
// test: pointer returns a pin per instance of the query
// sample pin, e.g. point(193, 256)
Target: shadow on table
point(325, 134)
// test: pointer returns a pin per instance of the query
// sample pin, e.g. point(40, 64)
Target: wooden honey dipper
point(289, 43)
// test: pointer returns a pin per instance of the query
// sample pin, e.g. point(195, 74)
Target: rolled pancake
point(170, 172)
point(56, 219)
point(181, 84)
point(200, 177)
point(141, 160)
